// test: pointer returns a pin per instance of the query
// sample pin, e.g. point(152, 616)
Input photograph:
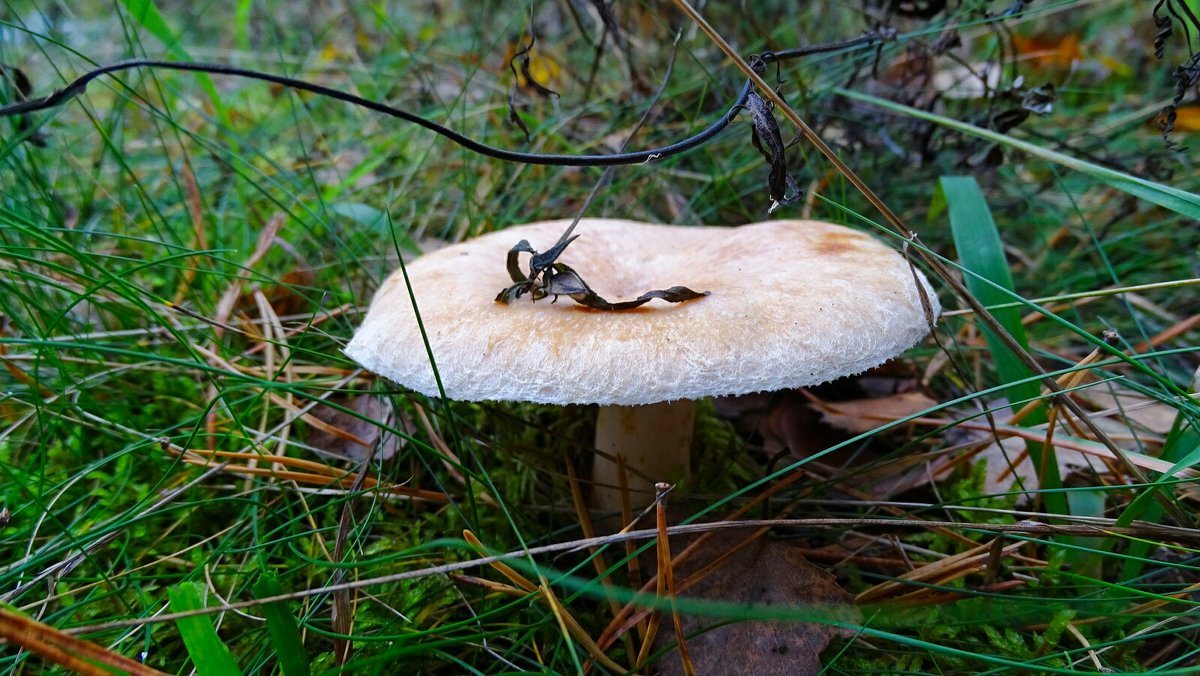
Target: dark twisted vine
point(79, 85)
point(522, 55)
point(547, 277)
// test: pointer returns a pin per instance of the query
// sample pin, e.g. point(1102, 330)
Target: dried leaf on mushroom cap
point(549, 278)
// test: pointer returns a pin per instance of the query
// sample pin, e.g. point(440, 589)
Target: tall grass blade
point(146, 13)
point(981, 254)
point(1179, 201)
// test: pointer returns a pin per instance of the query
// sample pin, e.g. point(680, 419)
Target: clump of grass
point(166, 362)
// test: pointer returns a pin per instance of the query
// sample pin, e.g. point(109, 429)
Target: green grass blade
point(981, 254)
point(209, 654)
point(285, 633)
point(1179, 201)
point(146, 13)
point(241, 23)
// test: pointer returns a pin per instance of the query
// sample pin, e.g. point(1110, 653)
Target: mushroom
point(792, 304)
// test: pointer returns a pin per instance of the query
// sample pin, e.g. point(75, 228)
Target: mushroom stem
point(654, 442)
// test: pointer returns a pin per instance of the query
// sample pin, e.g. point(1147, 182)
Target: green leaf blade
point(981, 254)
point(1180, 201)
point(285, 633)
point(209, 653)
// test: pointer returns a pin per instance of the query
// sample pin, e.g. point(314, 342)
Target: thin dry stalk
point(937, 573)
point(632, 615)
point(195, 209)
point(566, 621)
point(595, 553)
point(666, 572)
point(1093, 527)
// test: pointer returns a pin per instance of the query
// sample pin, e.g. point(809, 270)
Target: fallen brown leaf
point(283, 296)
point(863, 415)
point(1048, 51)
point(1113, 399)
point(352, 436)
point(763, 572)
point(809, 421)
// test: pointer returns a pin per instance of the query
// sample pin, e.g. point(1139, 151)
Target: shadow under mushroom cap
point(792, 304)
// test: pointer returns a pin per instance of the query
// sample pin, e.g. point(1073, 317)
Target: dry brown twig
point(1091, 527)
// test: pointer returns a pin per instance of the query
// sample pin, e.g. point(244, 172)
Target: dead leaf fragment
point(351, 436)
point(857, 416)
point(765, 573)
point(962, 82)
point(1009, 468)
point(1049, 51)
point(540, 72)
point(1122, 402)
point(1187, 118)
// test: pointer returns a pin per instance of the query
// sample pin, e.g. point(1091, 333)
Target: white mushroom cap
point(792, 304)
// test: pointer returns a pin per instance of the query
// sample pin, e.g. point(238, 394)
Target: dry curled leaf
point(1187, 118)
point(548, 278)
point(765, 135)
point(533, 69)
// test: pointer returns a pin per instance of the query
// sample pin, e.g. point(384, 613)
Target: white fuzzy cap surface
point(792, 304)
